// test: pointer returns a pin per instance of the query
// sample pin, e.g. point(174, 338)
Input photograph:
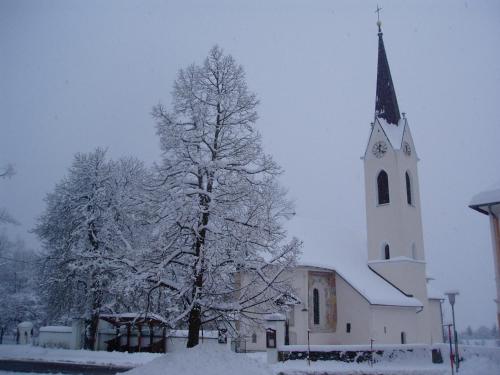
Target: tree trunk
point(195, 313)
point(94, 319)
point(194, 327)
point(92, 337)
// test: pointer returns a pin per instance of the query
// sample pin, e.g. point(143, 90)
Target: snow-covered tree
point(219, 253)
point(19, 299)
point(6, 171)
point(91, 232)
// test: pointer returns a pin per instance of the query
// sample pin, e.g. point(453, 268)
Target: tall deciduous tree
point(17, 285)
point(6, 171)
point(90, 231)
point(220, 252)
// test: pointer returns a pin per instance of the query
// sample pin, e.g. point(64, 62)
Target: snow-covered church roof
point(333, 246)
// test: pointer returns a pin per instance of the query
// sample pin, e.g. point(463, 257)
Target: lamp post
point(451, 297)
point(308, 348)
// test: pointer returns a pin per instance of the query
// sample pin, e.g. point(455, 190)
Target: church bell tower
point(394, 222)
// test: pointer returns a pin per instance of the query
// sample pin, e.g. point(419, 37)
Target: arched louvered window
point(316, 306)
point(408, 188)
point(387, 253)
point(383, 187)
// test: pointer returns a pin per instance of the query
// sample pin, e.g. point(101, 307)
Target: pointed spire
point(386, 103)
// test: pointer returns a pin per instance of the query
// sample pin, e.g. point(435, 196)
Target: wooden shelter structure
point(137, 332)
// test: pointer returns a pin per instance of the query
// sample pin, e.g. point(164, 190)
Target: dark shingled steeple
point(386, 103)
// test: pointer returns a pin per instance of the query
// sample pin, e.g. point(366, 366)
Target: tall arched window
point(403, 337)
point(408, 188)
point(387, 253)
point(383, 187)
point(254, 338)
point(316, 306)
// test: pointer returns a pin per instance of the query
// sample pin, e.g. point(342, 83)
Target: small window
point(383, 187)
point(254, 338)
point(408, 189)
point(348, 328)
point(403, 337)
point(387, 252)
point(385, 330)
point(316, 306)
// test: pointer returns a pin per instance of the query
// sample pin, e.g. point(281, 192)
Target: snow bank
point(325, 368)
point(25, 352)
point(477, 361)
point(473, 353)
point(203, 360)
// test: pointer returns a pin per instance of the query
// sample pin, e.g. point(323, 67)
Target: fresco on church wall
point(324, 282)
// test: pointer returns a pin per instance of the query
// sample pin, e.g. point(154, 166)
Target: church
point(378, 290)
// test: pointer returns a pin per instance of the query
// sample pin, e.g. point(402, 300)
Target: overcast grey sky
point(75, 75)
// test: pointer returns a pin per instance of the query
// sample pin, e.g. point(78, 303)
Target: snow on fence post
point(275, 335)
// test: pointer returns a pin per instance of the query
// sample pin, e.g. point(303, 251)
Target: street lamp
point(451, 297)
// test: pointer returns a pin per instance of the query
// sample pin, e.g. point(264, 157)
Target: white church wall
point(436, 321)
point(352, 309)
point(383, 216)
point(396, 223)
point(322, 284)
point(302, 313)
point(298, 318)
point(300, 325)
point(409, 276)
point(495, 243)
point(388, 322)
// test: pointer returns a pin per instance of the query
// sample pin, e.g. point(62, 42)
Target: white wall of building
point(388, 322)
point(383, 323)
point(55, 337)
point(436, 321)
point(353, 309)
point(397, 223)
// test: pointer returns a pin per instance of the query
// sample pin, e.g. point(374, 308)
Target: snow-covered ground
point(204, 360)
point(75, 356)
point(219, 361)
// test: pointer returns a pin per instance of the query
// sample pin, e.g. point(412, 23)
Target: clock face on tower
point(379, 149)
point(407, 148)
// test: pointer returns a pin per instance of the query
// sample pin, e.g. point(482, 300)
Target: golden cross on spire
point(378, 18)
